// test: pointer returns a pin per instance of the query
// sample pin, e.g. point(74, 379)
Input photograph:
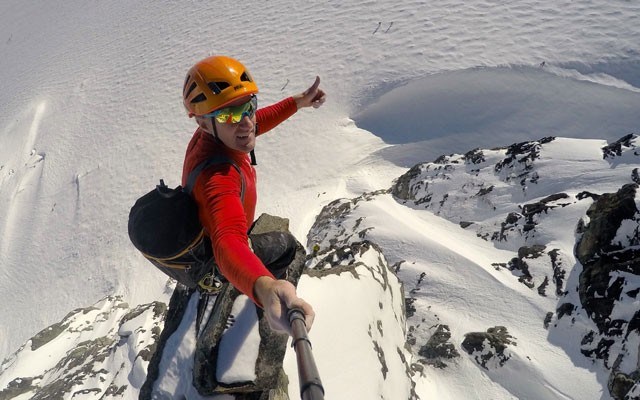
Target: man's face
point(239, 136)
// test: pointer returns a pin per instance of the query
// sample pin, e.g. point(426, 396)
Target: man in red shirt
point(221, 94)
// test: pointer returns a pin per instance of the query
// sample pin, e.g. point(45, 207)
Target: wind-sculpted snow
point(90, 117)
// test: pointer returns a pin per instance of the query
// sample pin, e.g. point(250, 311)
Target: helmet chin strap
point(215, 131)
point(252, 153)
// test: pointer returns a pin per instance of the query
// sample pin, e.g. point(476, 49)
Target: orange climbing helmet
point(214, 82)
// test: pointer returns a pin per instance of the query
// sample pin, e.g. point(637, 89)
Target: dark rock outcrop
point(173, 316)
point(489, 349)
point(438, 348)
point(519, 161)
point(402, 187)
point(615, 149)
point(610, 255)
point(602, 258)
point(329, 230)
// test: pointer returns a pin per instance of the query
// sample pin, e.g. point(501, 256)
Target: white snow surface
point(239, 344)
point(91, 117)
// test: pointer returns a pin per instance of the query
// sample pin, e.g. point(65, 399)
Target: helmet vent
point(184, 87)
point(199, 98)
point(188, 92)
point(245, 77)
point(218, 87)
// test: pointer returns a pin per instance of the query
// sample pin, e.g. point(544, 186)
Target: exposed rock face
point(604, 256)
point(329, 229)
point(174, 314)
point(518, 165)
point(616, 148)
point(403, 188)
point(465, 189)
point(623, 386)
point(609, 253)
point(470, 189)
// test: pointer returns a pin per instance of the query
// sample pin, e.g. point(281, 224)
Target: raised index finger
point(315, 85)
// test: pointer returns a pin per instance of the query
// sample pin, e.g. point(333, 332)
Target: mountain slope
point(495, 251)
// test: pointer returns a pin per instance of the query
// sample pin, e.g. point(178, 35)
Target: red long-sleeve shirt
point(225, 217)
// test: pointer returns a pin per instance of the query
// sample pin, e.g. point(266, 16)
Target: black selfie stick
point(310, 384)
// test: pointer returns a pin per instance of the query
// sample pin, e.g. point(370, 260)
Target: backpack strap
point(219, 159)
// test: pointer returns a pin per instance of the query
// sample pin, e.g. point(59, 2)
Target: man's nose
point(246, 122)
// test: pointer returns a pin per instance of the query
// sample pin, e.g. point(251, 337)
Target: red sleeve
point(271, 116)
point(223, 216)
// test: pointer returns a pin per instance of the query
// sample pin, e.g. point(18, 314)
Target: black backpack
point(164, 227)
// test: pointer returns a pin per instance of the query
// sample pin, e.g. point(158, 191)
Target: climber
point(220, 93)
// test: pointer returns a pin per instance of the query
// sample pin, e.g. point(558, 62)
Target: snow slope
point(91, 117)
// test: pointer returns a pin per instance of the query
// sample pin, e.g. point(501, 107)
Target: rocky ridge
point(470, 190)
point(516, 199)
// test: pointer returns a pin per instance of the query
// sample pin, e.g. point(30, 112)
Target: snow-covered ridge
point(101, 351)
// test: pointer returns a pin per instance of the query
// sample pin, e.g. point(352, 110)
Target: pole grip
point(310, 384)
